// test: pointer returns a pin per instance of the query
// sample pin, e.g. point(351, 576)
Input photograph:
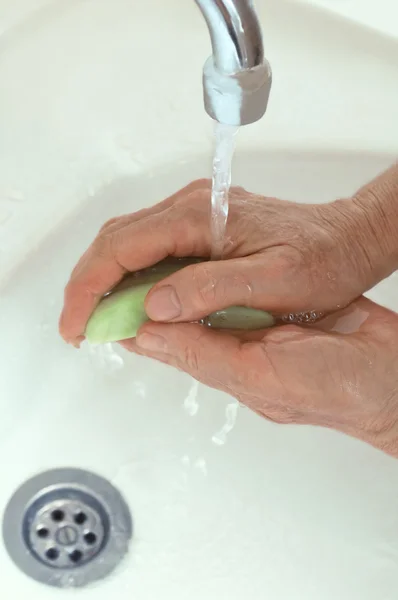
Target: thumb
point(212, 357)
point(263, 281)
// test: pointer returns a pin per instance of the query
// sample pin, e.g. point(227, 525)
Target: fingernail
point(77, 342)
point(163, 304)
point(153, 343)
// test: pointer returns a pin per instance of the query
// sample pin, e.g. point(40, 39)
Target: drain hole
point(80, 518)
point(76, 556)
point(66, 527)
point(90, 538)
point(58, 515)
point(52, 554)
point(42, 532)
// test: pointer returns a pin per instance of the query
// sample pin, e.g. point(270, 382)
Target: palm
point(337, 373)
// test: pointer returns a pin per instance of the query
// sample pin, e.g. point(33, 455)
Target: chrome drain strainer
point(67, 527)
point(66, 532)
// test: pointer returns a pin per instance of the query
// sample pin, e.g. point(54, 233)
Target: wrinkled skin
point(281, 257)
point(291, 374)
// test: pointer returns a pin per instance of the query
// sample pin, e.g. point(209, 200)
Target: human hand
point(341, 373)
point(280, 257)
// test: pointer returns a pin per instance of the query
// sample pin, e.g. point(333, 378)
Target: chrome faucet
point(236, 78)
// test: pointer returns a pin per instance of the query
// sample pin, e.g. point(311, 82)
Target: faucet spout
point(236, 78)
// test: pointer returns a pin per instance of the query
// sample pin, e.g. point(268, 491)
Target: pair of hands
point(281, 257)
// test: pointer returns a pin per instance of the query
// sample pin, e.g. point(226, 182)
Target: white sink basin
point(225, 504)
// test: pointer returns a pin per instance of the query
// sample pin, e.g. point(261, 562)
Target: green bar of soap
point(240, 317)
point(120, 314)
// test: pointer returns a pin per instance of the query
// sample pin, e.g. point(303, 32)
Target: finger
point(181, 231)
point(114, 225)
point(212, 357)
point(265, 281)
point(242, 369)
point(117, 223)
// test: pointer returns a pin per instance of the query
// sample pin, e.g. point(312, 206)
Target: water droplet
point(139, 389)
point(185, 460)
point(351, 321)
point(201, 465)
point(191, 405)
point(106, 357)
point(231, 413)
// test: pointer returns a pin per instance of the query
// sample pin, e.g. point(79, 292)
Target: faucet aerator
point(236, 78)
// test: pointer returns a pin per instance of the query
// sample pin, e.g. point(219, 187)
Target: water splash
point(191, 405)
point(223, 153)
point(201, 465)
point(231, 413)
point(106, 357)
point(139, 388)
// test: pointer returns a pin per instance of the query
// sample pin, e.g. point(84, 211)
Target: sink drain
point(66, 533)
point(67, 527)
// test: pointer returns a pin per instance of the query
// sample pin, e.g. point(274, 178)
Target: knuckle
point(191, 358)
point(184, 211)
point(194, 188)
point(281, 417)
point(239, 190)
point(191, 208)
point(205, 287)
point(199, 198)
point(203, 182)
point(114, 242)
point(186, 222)
point(102, 245)
point(108, 224)
point(214, 293)
point(276, 411)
